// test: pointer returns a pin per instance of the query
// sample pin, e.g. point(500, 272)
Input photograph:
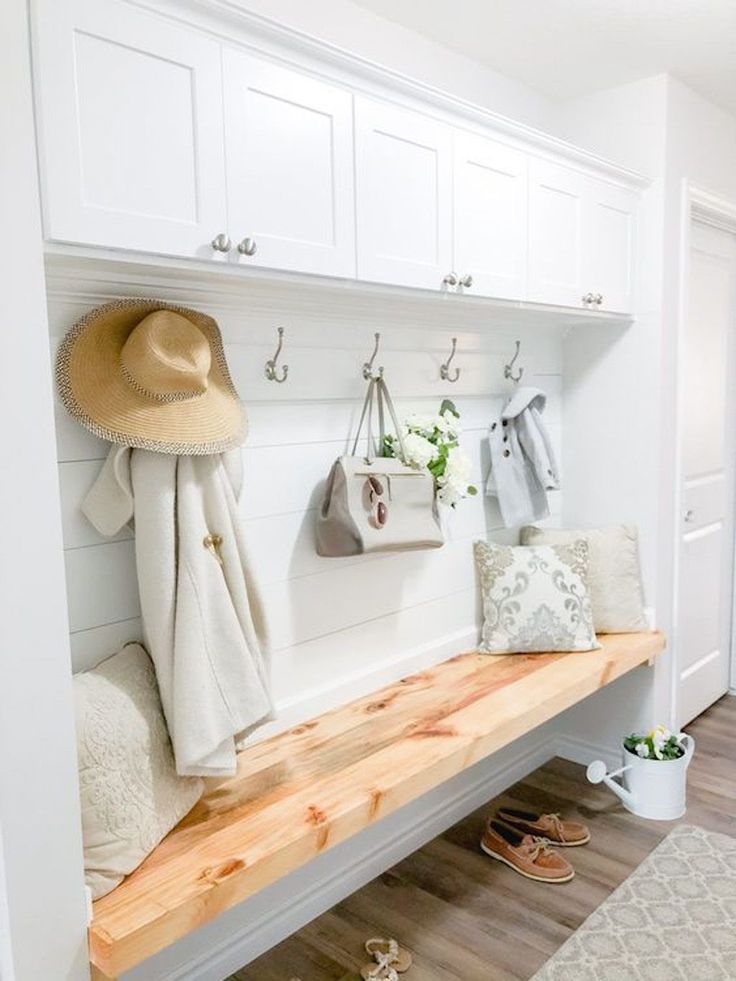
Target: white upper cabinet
point(556, 203)
point(610, 216)
point(131, 129)
point(581, 239)
point(155, 137)
point(289, 146)
point(490, 228)
point(403, 172)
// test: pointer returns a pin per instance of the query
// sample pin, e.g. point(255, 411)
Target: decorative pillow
point(130, 793)
point(535, 599)
point(614, 575)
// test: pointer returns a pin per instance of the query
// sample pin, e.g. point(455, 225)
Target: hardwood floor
point(468, 918)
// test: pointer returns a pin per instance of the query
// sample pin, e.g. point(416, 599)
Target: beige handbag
point(375, 503)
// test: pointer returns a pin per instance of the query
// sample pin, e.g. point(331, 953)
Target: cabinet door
point(289, 141)
point(610, 215)
point(490, 184)
point(556, 205)
point(404, 195)
point(130, 129)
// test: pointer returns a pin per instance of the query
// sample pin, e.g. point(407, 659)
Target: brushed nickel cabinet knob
point(248, 246)
point(221, 243)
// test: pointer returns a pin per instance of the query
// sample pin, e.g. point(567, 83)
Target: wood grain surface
point(467, 918)
point(309, 788)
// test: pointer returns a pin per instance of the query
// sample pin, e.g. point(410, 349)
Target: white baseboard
point(583, 751)
point(216, 950)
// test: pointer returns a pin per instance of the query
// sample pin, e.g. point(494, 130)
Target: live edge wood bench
point(309, 788)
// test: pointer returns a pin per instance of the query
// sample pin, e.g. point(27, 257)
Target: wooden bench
point(309, 788)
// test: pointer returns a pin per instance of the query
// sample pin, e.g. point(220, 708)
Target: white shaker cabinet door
point(490, 184)
point(610, 224)
point(130, 116)
point(556, 232)
point(404, 195)
point(289, 151)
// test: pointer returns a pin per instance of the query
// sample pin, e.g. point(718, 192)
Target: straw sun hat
point(151, 375)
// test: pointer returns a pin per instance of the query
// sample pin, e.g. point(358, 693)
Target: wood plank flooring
point(467, 918)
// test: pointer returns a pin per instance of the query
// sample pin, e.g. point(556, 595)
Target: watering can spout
point(596, 773)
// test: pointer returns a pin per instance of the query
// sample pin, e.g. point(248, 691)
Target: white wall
point(339, 626)
point(43, 903)
point(350, 26)
point(664, 129)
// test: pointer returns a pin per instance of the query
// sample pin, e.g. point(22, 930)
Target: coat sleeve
point(535, 443)
point(109, 502)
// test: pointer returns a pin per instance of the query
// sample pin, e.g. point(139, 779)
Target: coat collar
point(524, 398)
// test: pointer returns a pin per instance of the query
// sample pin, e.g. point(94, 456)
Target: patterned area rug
point(673, 918)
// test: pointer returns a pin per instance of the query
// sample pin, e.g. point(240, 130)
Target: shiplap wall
point(339, 627)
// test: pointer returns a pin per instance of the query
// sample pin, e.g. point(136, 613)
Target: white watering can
point(651, 788)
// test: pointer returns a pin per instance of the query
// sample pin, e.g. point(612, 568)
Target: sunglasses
point(379, 510)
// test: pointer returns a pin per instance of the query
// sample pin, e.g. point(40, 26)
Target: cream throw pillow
point(535, 599)
point(130, 793)
point(614, 574)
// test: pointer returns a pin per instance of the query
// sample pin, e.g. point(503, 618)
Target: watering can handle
point(689, 744)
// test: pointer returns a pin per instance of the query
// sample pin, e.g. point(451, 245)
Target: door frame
point(702, 206)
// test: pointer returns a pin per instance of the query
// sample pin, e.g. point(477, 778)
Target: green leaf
point(448, 406)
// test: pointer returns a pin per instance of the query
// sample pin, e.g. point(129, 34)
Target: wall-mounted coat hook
point(445, 368)
point(508, 369)
point(271, 372)
point(368, 365)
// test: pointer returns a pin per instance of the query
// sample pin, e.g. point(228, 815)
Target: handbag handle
point(367, 411)
point(378, 391)
point(385, 397)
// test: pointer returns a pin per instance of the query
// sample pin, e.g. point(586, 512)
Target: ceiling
point(566, 48)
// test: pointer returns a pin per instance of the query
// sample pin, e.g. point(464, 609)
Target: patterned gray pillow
point(130, 793)
point(535, 598)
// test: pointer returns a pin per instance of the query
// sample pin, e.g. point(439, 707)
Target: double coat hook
point(368, 365)
point(508, 371)
point(271, 372)
point(445, 368)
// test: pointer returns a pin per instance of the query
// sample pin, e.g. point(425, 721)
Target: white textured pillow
point(535, 599)
point(130, 793)
point(614, 574)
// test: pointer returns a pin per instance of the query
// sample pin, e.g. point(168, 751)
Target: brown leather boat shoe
point(525, 854)
point(565, 834)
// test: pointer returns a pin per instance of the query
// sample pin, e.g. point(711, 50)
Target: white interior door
point(490, 183)
point(705, 566)
point(556, 203)
point(131, 122)
point(404, 195)
point(289, 142)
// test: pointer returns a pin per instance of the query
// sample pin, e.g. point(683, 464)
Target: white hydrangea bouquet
point(658, 744)
point(432, 442)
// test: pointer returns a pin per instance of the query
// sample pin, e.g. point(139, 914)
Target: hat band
point(158, 396)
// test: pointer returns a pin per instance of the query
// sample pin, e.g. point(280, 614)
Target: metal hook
point(368, 365)
point(445, 368)
point(507, 371)
point(271, 363)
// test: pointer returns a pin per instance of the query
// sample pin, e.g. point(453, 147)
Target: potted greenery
point(654, 773)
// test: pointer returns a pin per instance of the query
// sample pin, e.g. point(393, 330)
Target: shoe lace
point(556, 822)
point(540, 846)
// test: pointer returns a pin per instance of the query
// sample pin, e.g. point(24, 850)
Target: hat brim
point(95, 392)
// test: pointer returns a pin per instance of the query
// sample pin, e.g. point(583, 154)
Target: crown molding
point(711, 209)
